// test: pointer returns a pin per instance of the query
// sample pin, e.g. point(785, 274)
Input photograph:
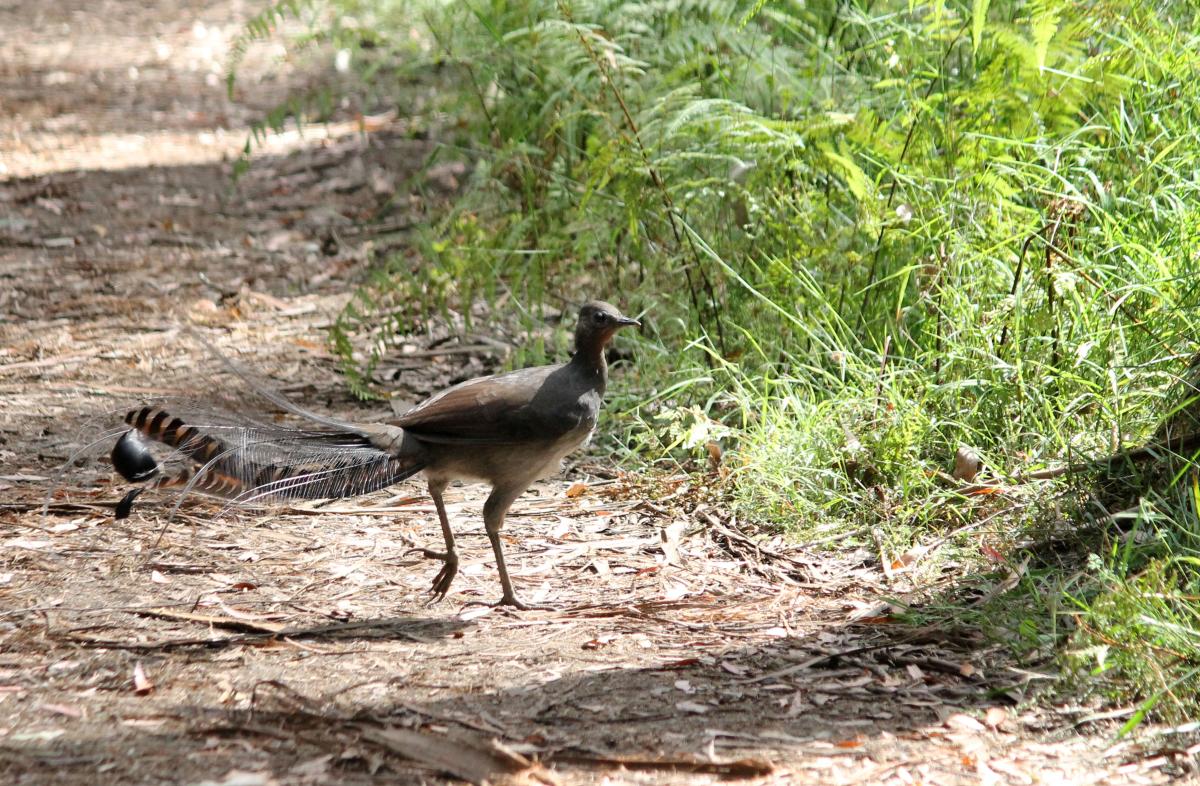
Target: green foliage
point(324, 32)
point(1143, 631)
point(260, 27)
point(863, 233)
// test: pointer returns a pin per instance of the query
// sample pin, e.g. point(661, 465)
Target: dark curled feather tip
point(126, 504)
point(132, 459)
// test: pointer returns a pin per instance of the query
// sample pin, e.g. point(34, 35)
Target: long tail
point(246, 462)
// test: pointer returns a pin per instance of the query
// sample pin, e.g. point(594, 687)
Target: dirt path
point(294, 647)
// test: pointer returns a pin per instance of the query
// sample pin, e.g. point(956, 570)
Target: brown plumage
point(506, 430)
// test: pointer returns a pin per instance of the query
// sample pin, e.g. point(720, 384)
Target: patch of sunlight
point(41, 154)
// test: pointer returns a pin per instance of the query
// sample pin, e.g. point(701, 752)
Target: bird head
point(598, 321)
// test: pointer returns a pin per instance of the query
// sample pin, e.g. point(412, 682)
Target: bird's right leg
point(449, 557)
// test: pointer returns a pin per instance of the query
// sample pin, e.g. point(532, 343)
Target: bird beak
point(627, 322)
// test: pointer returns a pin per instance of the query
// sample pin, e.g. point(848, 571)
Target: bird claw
point(445, 577)
point(427, 553)
point(509, 599)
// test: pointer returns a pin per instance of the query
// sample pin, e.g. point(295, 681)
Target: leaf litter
point(294, 645)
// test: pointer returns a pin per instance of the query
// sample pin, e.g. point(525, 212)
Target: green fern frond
point(260, 27)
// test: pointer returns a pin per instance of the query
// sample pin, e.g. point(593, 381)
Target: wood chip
point(473, 759)
point(738, 768)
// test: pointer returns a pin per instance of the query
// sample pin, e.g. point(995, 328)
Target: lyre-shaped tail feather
point(248, 463)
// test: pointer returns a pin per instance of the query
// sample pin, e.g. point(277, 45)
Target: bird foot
point(445, 577)
point(509, 599)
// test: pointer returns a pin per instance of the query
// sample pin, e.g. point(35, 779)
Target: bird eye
point(600, 318)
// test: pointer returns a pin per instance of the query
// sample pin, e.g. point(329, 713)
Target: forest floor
point(294, 645)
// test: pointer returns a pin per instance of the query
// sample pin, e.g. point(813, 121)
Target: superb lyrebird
point(506, 430)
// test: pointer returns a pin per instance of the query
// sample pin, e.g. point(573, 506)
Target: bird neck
point(589, 359)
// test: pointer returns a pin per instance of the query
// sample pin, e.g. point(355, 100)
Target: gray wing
point(507, 409)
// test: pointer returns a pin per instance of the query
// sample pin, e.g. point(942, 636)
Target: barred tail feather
point(161, 427)
point(249, 463)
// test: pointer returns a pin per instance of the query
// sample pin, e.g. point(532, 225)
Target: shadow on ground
point(772, 702)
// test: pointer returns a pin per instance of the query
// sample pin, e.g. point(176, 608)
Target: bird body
point(506, 430)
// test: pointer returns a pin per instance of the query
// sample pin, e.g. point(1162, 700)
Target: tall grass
point(864, 232)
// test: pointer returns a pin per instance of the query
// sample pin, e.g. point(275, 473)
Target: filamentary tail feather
point(253, 462)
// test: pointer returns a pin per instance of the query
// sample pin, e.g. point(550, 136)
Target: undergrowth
point(861, 234)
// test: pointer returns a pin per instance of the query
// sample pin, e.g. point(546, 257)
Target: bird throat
point(589, 358)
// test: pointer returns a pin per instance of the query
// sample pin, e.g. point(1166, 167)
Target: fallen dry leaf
point(242, 778)
point(675, 591)
point(602, 568)
point(991, 553)
point(474, 613)
point(962, 722)
point(316, 769)
point(738, 768)
point(987, 491)
point(68, 710)
point(669, 537)
point(141, 683)
point(1010, 769)
point(714, 455)
point(864, 611)
point(474, 759)
point(909, 558)
point(600, 641)
point(995, 716)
